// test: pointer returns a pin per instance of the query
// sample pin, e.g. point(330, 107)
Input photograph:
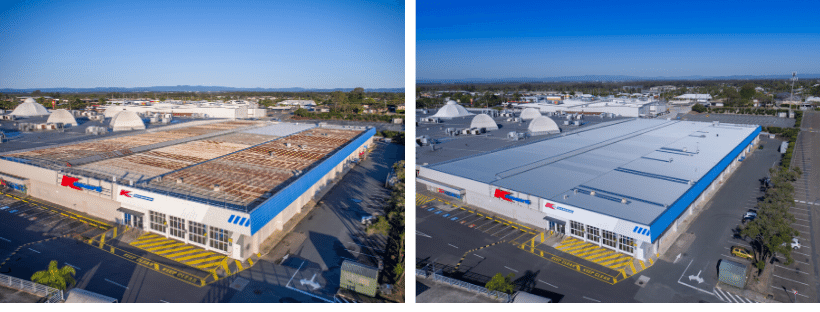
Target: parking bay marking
point(775, 275)
point(548, 283)
point(451, 245)
point(33, 250)
point(5, 239)
point(108, 280)
point(792, 269)
point(511, 269)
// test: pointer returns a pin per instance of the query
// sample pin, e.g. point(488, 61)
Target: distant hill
point(609, 78)
point(186, 88)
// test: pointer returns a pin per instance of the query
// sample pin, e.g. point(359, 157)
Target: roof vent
point(179, 180)
point(158, 179)
point(575, 191)
point(684, 149)
point(623, 200)
point(271, 153)
point(566, 196)
point(131, 182)
point(592, 193)
point(216, 187)
point(287, 144)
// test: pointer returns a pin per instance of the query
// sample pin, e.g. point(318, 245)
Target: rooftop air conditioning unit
point(216, 187)
point(179, 180)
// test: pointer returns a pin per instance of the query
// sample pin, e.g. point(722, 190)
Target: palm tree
point(55, 277)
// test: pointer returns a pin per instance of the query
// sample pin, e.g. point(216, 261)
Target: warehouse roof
point(650, 163)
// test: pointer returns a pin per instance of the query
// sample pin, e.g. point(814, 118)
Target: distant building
point(300, 103)
point(813, 99)
point(700, 98)
point(659, 89)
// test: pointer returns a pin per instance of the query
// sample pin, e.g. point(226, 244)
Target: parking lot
point(765, 121)
point(495, 226)
point(801, 276)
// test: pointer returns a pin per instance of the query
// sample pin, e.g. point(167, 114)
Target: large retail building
point(222, 185)
point(624, 184)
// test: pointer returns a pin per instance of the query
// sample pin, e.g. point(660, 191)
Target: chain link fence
point(52, 295)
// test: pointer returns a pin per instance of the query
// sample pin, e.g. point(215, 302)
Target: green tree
point(771, 232)
point(36, 93)
point(747, 91)
point(356, 95)
point(59, 278)
point(501, 283)
point(699, 108)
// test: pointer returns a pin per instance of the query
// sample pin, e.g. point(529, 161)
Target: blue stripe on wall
point(282, 199)
point(663, 221)
point(230, 220)
point(241, 222)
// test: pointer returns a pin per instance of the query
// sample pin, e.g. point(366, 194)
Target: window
point(609, 239)
point(576, 228)
point(196, 232)
point(157, 221)
point(593, 234)
point(177, 227)
point(219, 238)
point(626, 244)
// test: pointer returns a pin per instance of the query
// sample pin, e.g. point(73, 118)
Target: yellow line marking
point(217, 257)
point(180, 254)
point(585, 249)
point(203, 254)
point(250, 262)
point(632, 266)
point(565, 245)
point(615, 261)
point(208, 265)
point(225, 265)
point(162, 242)
point(593, 253)
point(600, 261)
point(164, 252)
point(651, 262)
point(239, 266)
point(155, 249)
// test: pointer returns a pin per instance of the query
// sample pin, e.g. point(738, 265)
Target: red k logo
point(125, 193)
point(502, 194)
point(69, 181)
point(549, 205)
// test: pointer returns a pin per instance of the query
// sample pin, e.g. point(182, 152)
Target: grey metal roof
point(642, 160)
point(360, 269)
point(281, 129)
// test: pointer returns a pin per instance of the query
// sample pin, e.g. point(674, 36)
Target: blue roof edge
point(661, 224)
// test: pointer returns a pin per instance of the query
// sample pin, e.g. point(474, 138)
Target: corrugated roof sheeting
point(282, 129)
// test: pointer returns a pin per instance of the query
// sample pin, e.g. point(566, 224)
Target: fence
point(462, 284)
point(52, 295)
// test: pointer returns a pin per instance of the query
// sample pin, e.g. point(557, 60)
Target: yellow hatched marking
point(651, 262)
point(632, 266)
point(250, 262)
point(163, 242)
point(208, 266)
point(174, 250)
point(585, 249)
point(152, 249)
point(565, 245)
point(225, 265)
point(239, 266)
point(643, 267)
point(147, 240)
point(217, 257)
point(180, 254)
point(600, 251)
point(601, 261)
point(202, 254)
point(576, 247)
point(616, 263)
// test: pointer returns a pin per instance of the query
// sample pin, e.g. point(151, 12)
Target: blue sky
point(507, 39)
point(311, 44)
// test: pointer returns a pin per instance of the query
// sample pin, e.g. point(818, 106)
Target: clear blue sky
point(507, 39)
point(272, 44)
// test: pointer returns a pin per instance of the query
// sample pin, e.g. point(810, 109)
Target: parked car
point(749, 216)
point(741, 252)
point(795, 243)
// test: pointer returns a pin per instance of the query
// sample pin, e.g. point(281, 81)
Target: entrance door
point(126, 219)
point(137, 222)
point(560, 228)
